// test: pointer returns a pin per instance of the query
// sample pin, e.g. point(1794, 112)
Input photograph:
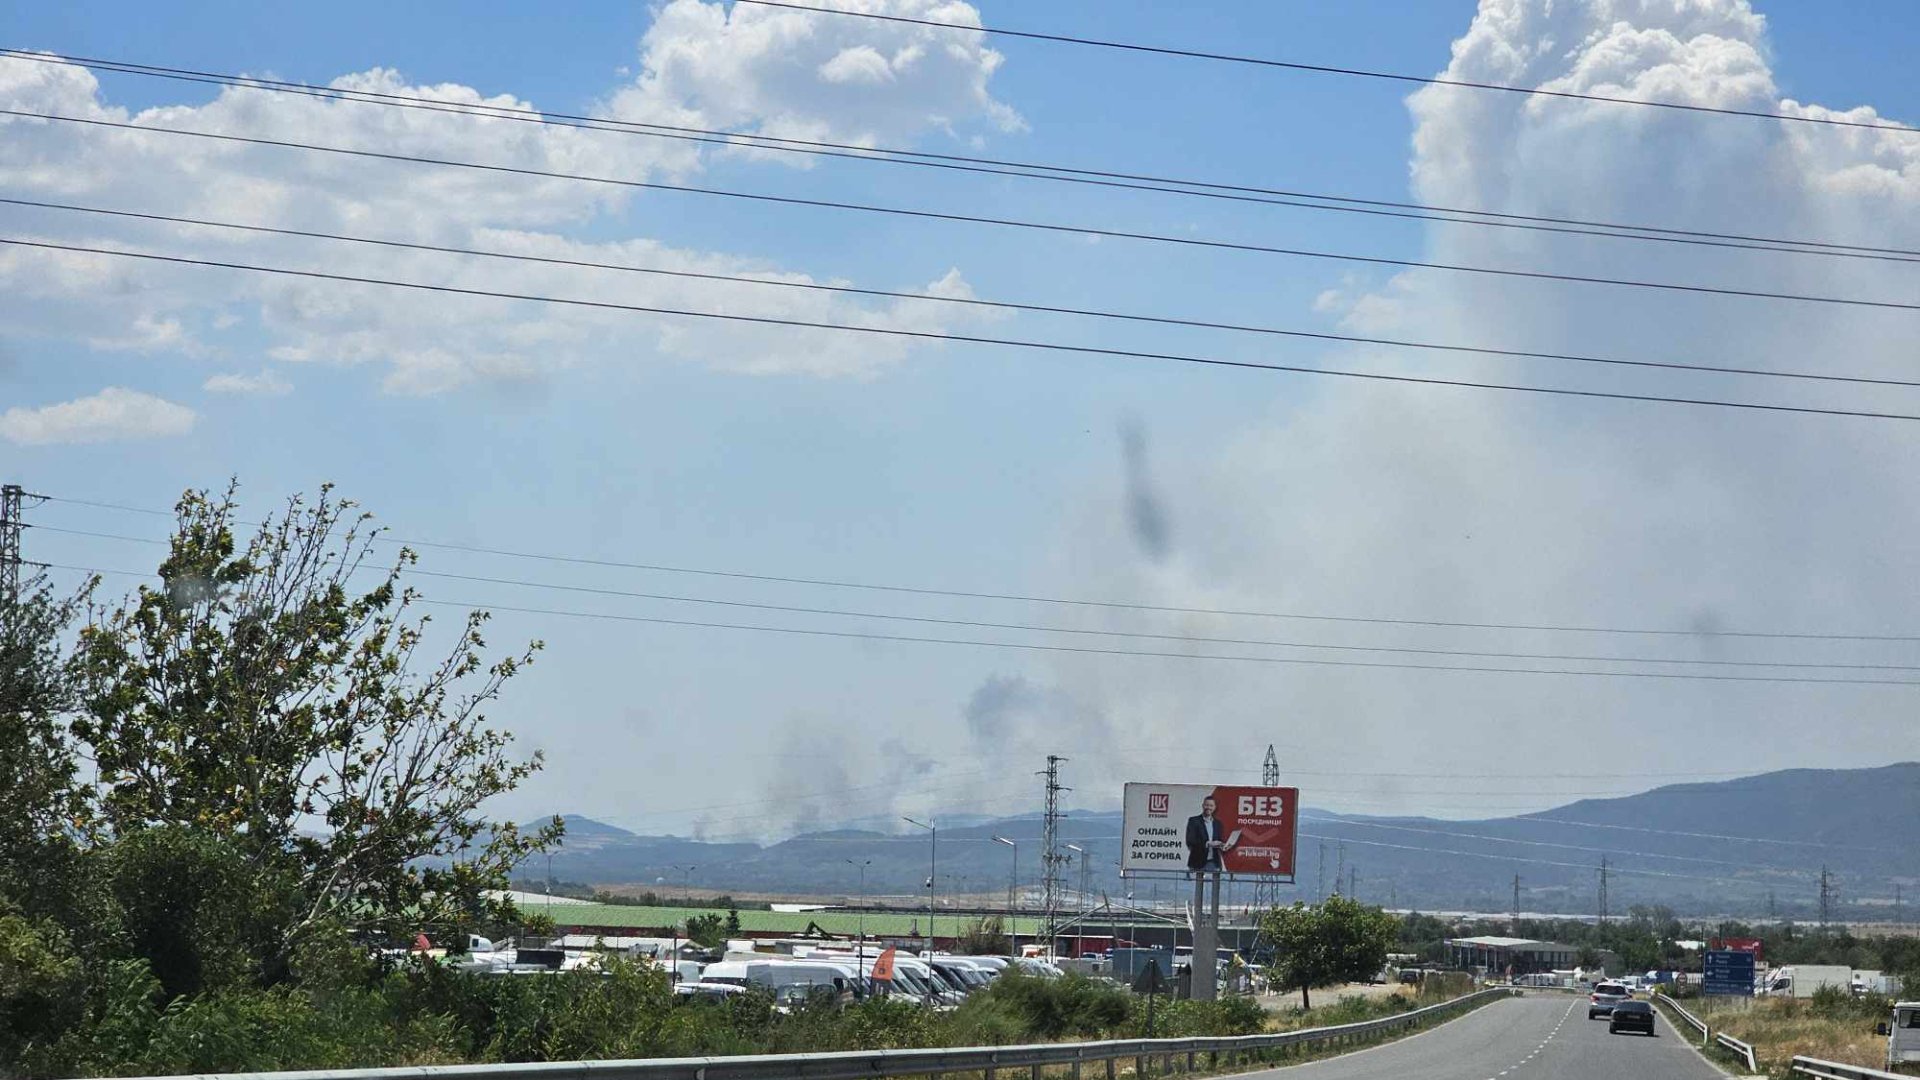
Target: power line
point(1243, 193)
point(1012, 223)
point(1090, 651)
point(1036, 628)
point(1325, 69)
point(974, 339)
point(1061, 601)
point(1002, 305)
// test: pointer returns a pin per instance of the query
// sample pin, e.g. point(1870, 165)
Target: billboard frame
point(1291, 798)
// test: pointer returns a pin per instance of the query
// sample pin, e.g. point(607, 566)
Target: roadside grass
point(1354, 1005)
point(1780, 1028)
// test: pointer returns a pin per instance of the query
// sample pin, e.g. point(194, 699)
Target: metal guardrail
point(1834, 1070)
point(1699, 1026)
point(1739, 1049)
point(1170, 1054)
point(1744, 1051)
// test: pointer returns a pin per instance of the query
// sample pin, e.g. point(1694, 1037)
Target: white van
point(960, 969)
point(912, 978)
point(790, 981)
point(1903, 1035)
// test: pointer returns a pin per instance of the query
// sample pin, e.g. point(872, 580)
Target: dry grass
point(1781, 1028)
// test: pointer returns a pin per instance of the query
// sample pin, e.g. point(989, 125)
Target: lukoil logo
point(1157, 803)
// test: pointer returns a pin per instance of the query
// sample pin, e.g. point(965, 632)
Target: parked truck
point(1875, 982)
point(1802, 980)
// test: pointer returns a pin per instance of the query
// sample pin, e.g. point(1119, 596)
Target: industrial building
point(1509, 956)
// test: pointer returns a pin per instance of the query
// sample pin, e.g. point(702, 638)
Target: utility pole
point(1051, 859)
point(1603, 890)
point(1516, 905)
point(1899, 912)
point(1340, 868)
point(861, 962)
point(1322, 887)
point(1773, 908)
point(1084, 907)
point(1013, 888)
point(1353, 883)
point(1826, 899)
point(933, 868)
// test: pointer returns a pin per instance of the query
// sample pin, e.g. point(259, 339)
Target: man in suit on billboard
point(1206, 839)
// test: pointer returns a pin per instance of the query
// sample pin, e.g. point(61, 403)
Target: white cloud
point(111, 415)
point(860, 64)
point(805, 76)
point(1456, 504)
point(424, 343)
point(265, 384)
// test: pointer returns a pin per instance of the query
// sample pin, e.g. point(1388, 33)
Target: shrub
point(1178, 1019)
point(42, 993)
point(1074, 1006)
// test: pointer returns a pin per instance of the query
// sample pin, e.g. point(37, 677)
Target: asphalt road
point(1539, 1036)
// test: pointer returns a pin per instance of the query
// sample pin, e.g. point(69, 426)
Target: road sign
point(1151, 983)
point(1727, 972)
point(1150, 980)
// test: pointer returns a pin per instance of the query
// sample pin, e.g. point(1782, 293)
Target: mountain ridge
point(1749, 845)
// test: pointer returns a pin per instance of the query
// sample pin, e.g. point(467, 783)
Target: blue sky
point(983, 469)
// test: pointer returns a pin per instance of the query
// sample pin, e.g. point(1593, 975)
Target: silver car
point(1605, 996)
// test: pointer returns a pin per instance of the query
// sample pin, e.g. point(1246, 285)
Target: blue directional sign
point(1728, 972)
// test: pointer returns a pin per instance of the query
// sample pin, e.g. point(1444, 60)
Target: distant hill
point(1745, 846)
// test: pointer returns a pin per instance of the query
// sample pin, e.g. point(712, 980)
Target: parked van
point(790, 981)
point(962, 970)
point(1903, 1035)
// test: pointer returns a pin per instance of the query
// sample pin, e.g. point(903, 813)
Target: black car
point(1630, 1016)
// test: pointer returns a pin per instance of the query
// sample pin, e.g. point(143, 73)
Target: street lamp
point(1080, 925)
point(686, 894)
point(1013, 884)
point(933, 869)
point(862, 949)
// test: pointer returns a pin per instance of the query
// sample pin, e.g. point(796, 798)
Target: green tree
point(42, 994)
point(733, 922)
point(708, 930)
point(1339, 941)
point(982, 937)
point(257, 697)
point(42, 809)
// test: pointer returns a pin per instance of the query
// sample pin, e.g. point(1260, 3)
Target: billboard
point(1255, 826)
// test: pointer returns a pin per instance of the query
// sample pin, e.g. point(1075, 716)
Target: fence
point(1169, 1054)
point(1833, 1070)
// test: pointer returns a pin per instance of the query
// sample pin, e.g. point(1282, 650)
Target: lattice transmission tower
point(1266, 893)
point(1052, 859)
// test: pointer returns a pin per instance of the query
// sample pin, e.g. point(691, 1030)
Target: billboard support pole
point(1200, 979)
